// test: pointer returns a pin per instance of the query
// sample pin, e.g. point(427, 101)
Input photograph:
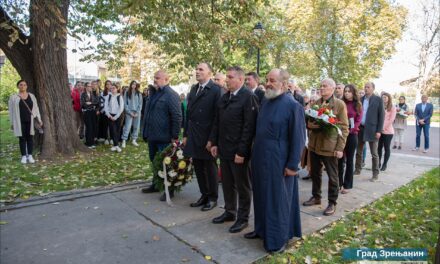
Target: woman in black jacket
point(89, 103)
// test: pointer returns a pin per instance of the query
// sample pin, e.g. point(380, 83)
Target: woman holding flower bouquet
point(400, 122)
point(354, 114)
point(387, 131)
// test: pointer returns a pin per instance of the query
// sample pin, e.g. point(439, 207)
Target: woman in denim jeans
point(133, 107)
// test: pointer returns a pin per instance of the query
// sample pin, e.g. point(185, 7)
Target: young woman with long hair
point(400, 122)
point(23, 109)
point(354, 113)
point(89, 104)
point(388, 130)
point(103, 121)
point(133, 106)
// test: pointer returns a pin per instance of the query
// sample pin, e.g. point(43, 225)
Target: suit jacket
point(324, 143)
point(260, 95)
point(425, 115)
point(374, 118)
point(234, 127)
point(200, 117)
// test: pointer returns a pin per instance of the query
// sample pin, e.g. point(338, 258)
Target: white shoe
point(123, 144)
point(118, 149)
point(111, 141)
point(106, 142)
point(113, 148)
point(135, 143)
point(31, 159)
point(415, 149)
point(101, 140)
point(425, 150)
point(23, 159)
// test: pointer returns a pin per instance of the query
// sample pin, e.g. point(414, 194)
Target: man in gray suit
point(370, 129)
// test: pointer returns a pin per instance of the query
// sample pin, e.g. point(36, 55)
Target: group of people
point(110, 115)
point(257, 132)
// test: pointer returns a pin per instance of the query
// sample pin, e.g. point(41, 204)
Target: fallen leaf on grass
point(3, 222)
point(392, 216)
point(208, 257)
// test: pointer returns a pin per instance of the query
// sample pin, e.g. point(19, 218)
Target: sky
point(399, 68)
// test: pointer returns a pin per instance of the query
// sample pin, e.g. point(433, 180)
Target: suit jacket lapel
point(200, 95)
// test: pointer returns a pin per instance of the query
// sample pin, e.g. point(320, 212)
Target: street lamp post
point(258, 31)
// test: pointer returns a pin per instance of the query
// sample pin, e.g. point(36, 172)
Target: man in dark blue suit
point(423, 115)
point(202, 102)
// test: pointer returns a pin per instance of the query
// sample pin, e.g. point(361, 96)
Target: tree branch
point(19, 54)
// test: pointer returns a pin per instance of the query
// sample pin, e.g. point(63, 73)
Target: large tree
point(40, 58)
point(346, 40)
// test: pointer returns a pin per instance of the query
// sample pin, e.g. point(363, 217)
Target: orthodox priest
point(276, 154)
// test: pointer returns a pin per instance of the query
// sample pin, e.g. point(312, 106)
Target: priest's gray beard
point(271, 93)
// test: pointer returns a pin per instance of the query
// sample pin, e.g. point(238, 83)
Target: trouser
point(26, 140)
point(235, 181)
point(331, 166)
point(364, 153)
point(79, 121)
point(154, 147)
point(206, 172)
point(373, 151)
point(115, 128)
point(425, 129)
point(90, 124)
point(103, 130)
point(398, 136)
point(350, 149)
point(129, 122)
point(384, 143)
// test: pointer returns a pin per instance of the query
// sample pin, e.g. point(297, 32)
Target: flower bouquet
point(174, 170)
point(325, 118)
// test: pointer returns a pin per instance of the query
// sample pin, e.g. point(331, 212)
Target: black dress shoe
point(150, 189)
point(225, 217)
point(251, 235)
point(163, 198)
point(238, 226)
point(384, 167)
point(200, 202)
point(209, 205)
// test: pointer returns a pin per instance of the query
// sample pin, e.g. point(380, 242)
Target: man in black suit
point(202, 101)
point(370, 129)
point(231, 138)
point(251, 81)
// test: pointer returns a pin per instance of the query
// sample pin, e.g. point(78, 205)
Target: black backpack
point(110, 97)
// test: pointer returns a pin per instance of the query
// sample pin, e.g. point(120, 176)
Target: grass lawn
point(98, 168)
point(409, 217)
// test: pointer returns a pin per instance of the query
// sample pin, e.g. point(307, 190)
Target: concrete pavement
point(127, 226)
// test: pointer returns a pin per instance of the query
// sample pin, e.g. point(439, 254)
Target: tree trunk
point(49, 30)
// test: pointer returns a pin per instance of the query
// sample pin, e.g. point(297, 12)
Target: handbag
point(37, 125)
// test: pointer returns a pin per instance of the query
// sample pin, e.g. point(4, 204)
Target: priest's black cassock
point(279, 142)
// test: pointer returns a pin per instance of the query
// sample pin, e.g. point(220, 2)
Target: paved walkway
point(125, 226)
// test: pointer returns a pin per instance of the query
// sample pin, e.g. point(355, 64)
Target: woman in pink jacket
point(388, 130)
